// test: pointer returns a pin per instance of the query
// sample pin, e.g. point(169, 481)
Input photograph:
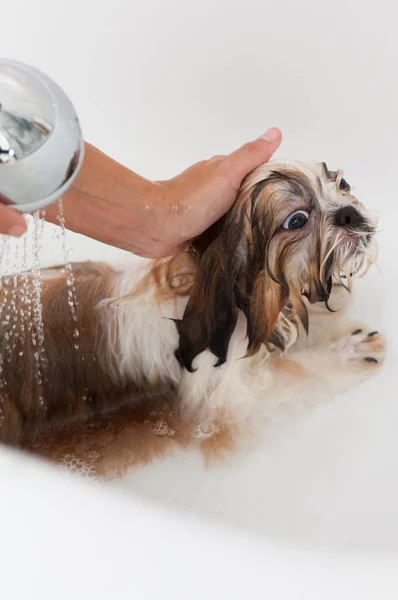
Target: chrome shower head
point(41, 144)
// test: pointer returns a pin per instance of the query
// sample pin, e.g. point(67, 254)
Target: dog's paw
point(361, 348)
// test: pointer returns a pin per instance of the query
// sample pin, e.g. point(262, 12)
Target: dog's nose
point(348, 216)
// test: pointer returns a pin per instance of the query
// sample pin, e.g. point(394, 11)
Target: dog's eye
point(296, 221)
point(343, 185)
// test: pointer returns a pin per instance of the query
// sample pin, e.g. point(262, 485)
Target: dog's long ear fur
point(232, 275)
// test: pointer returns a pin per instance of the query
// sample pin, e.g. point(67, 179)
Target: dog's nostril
point(348, 216)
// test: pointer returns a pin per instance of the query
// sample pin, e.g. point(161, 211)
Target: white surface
point(158, 85)
point(65, 539)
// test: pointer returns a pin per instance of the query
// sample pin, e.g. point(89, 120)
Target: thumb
point(253, 154)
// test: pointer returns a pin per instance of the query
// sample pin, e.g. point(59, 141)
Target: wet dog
point(203, 347)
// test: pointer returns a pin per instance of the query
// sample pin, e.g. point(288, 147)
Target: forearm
point(109, 203)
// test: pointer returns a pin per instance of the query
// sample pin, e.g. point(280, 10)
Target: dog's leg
point(287, 386)
point(238, 403)
point(347, 356)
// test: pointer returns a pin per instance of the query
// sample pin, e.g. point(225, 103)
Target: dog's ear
point(211, 313)
point(232, 275)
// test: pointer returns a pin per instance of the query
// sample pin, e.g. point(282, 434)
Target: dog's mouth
point(343, 264)
point(318, 291)
point(353, 264)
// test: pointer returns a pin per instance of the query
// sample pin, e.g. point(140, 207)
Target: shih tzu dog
point(205, 347)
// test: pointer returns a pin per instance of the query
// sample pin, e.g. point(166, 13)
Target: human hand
point(11, 222)
point(114, 205)
point(191, 202)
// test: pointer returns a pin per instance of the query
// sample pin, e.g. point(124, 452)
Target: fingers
point(11, 222)
point(253, 154)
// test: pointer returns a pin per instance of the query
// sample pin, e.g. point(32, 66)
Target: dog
point(205, 347)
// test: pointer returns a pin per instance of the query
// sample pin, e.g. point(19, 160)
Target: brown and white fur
point(204, 347)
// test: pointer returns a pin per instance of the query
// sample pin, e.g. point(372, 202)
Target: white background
point(159, 85)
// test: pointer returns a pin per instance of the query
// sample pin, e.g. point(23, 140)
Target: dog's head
point(293, 229)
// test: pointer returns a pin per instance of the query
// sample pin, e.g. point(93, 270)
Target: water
point(21, 287)
point(37, 329)
point(4, 262)
point(70, 289)
point(21, 306)
point(25, 318)
point(70, 278)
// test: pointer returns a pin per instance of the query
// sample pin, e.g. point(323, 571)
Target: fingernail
point(272, 134)
point(17, 230)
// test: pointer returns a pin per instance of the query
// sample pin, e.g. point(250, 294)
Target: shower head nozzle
point(41, 143)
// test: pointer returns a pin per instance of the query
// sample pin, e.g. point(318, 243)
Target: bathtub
point(313, 513)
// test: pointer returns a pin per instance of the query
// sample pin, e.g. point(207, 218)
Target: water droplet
point(70, 278)
point(21, 310)
point(34, 309)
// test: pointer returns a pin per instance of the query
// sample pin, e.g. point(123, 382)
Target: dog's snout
point(348, 216)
